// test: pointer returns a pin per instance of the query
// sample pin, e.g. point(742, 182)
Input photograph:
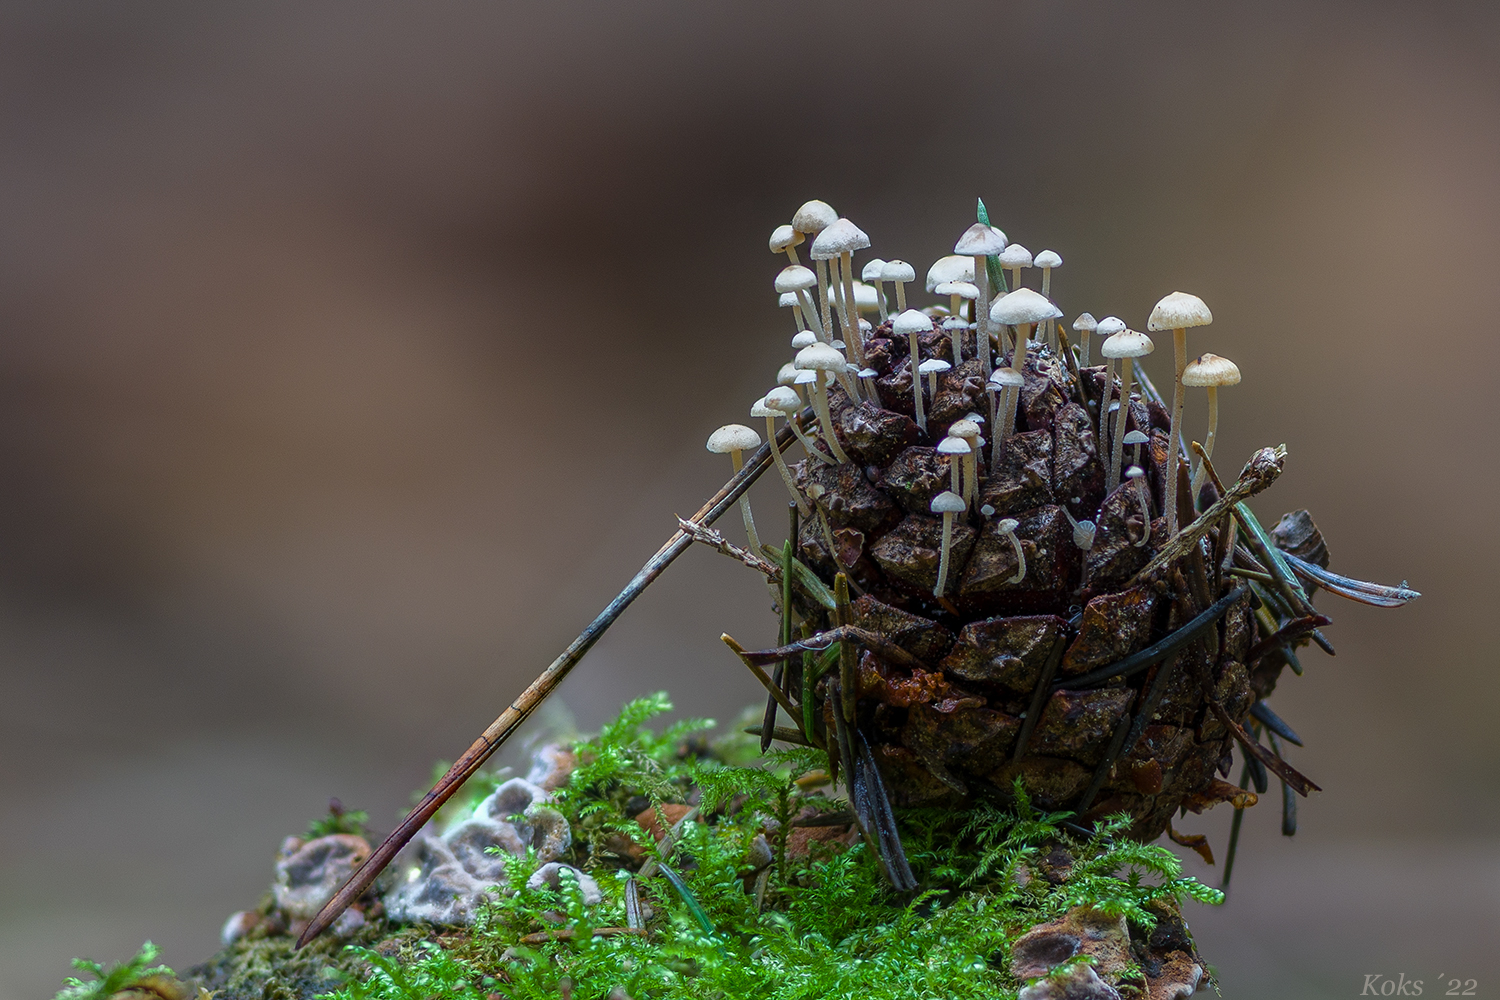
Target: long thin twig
point(1286, 772)
point(1039, 696)
point(520, 710)
point(762, 676)
point(1158, 650)
point(818, 642)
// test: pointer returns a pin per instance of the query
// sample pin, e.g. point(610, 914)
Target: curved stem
point(885, 313)
point(1200, 471)
point(1015, 542)
point(739, 462)
point(810, 314)
point(942, 580)
point(786, 474)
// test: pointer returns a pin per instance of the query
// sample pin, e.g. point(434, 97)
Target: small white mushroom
point(1084, 326)
point(1047, 260)
point(805, 338)
point(797, 279)
point(1007, 527)
point(958, 292)
point(1013, 258)
point(980, 241)
point(1177, 312)
point(785, 400)
point(788, 300)
point(1022, 309)
point(1135, 438)
point(785, 239)
point(1126, 345)
point(761, 408)
point(839, 241)
point(932, 368)
point(1003, 384)
point(955, 448)
point(950, 268)
point(868, 377)
point(732, 440)
point(823, 358)
point(873, 273)
point(968, 430)
point(1137, 475)
point(946, 503)
point(1209, 372)
point(812, 218)
point(899, 272)
point(1107, 327)
point(908, 323)
point(1083, 537)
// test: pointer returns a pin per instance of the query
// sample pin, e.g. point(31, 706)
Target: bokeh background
point(352, 356)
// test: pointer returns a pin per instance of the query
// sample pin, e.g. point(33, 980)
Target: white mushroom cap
point(977, 418)
point(1007, 525)
point(980, 239)
point(951, 268)
point(814, 217)
point(1109, 326)
point(820, 357)
point(1134, 472)
point(966, 429)
point(810, 376)
point(1015, 255)
point(731, 438)
point(1086, 323)
point(786, 299)
point(867, 373)
point(1047, 258)
point(872, 270)
point(953, 446)
point(865, 296)
point(898, 270)
point(1210, 370)
point(783, 237)
point(1179, 311)
point(760, 409)
point(804, 339)
point(842, 236)
point(1006, 378)
point(1023, 306)
point(1127, 344)
point(1134, 437)
point(783, 399)
point(963, 289)
point(795, 278)
point(932, 366)
point(948, 502)
point(911, 321)
point(787, 374)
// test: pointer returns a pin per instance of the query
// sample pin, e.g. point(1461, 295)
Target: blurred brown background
point(352, 356)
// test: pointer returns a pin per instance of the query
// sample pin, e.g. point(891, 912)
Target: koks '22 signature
point(1381, 985)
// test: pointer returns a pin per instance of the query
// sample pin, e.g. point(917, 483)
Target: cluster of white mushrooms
point(1001, 320)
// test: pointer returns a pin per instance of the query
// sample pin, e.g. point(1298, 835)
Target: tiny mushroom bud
point(1209, 372)
point(1084, 325)
point(1013, 258)
point(978, 242)
point(1136, 438)
point(1137, 475)
point(1177, 312)
point(840, 240)
point(1007, 527)
point(868, 377)
point(908, 323)
point(932, 368)
point(987, 510)
point(797, 279)
point(732, 440)
point(763, 409)
point(873, 273)
point(1126, 345)
point(785, 239)
point(823, 358)
point(946, 503)
point(1021, 309)
point(899, 272)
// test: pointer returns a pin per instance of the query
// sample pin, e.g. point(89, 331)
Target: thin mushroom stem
point(810, 314)
point(1015, 542)
point(956, 333)
point(786, 474)
point(1023, 338)
point(852, 336)
point(982, 314)
point(971, 477)
point(1117, 447)
point(1199, 471)
point(1047, 293)
point(900, 297)
point(738, 458)
point(916, 381)
point(823, 301)
point(811, 446)
point(942, 579)
point(825, 418)
point(880, 304)
point(997, 404)
point(1179, 352)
